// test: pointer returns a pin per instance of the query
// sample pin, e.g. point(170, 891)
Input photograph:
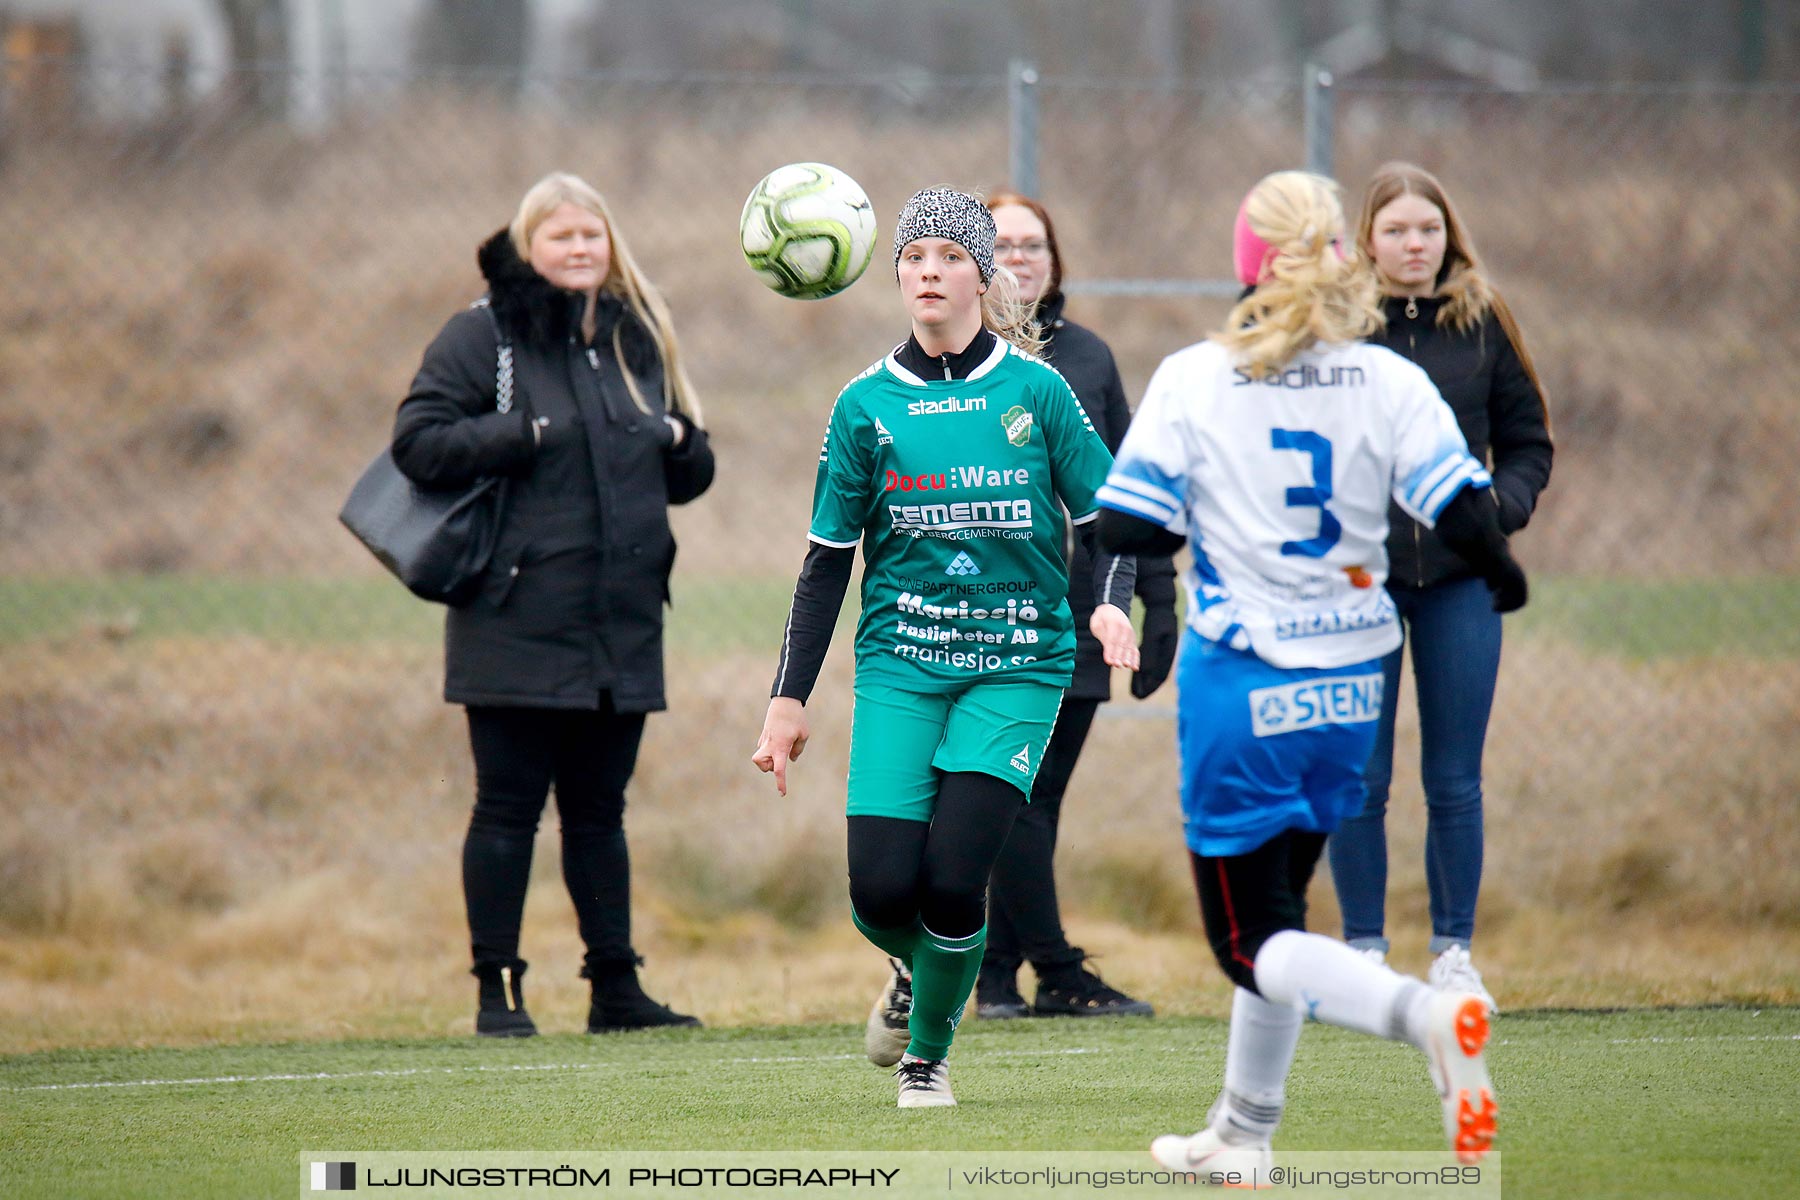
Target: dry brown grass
point(309, 961)
point(310, 891)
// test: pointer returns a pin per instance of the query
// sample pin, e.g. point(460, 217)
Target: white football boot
point(924, 1083)
point(886, 1034)
point(1457, 1030)
point(1209, 1156)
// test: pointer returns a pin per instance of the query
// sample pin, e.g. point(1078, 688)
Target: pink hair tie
point(1250, 255)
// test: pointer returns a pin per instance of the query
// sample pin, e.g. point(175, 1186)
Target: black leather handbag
point(438, 543)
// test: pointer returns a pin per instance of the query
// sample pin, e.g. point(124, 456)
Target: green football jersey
point(952, 486)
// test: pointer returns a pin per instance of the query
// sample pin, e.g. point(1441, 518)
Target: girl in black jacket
point(1442, 314)
point(1024, 919)
point(559, 656)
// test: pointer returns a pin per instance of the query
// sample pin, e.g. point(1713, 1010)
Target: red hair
point(1053, 287)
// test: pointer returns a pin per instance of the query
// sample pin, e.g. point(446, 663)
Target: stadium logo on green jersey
point(1018, 424)
point(950, 404)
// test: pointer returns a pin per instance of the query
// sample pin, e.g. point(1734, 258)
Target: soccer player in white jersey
point(950, 461)
point(1272, 450)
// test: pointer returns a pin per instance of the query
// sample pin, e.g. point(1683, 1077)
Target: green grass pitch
point(1696, 1102)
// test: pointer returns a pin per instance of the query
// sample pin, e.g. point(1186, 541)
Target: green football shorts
point(899, 741)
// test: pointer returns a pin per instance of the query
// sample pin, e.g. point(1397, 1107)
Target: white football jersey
point(1282, 488)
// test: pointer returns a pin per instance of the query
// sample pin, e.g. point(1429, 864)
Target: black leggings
point(519, 753)
point(937, 871)
point(1247, 899)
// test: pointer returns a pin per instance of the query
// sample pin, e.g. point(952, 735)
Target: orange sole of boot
point(1478, 1115)
point(1476, 1124)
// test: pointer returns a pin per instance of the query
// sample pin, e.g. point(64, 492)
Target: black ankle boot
point(997, 995)
point(1071, 990)
point(619, 1002)
point(502, 1012)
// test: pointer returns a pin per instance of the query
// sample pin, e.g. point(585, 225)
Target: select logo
point(334, 1177)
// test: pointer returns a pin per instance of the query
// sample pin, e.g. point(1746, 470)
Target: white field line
point(665, 1063)
point(1748, 1037)
point(299, 1078)
point(335, 1075)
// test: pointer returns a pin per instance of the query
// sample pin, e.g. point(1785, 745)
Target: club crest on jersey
point(1018, 424)
point(962, 564)
point(882, 436)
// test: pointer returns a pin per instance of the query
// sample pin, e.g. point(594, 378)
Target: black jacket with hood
point(572, 605)
point(1502, 416)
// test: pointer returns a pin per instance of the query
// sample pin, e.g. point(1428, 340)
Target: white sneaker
point(1457, 1029)
point(1452, 971)
point(886, 1034)
point(1374, 954)
point(1215, 1160)
point(924, 1083)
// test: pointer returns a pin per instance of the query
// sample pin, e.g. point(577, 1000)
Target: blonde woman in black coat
point(559, 656)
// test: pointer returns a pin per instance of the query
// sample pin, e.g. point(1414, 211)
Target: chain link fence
point(212, 315)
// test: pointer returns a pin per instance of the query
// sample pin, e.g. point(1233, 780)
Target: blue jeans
point(1455, 636)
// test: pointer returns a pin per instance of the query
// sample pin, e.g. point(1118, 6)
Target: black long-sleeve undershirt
point(1115, 575)
point(1122, 533)
point(818, 597)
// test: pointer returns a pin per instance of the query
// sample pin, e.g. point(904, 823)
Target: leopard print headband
point(955, 216)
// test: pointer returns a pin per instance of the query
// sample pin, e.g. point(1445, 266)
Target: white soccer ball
point(808, 230)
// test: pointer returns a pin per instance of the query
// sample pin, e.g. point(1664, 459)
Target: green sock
point(944, 971)
point(896, 943)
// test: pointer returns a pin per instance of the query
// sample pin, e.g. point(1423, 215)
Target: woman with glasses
point(1024, 919)
point(950, 461)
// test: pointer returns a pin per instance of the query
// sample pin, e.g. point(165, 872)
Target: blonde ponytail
point(1312, 289)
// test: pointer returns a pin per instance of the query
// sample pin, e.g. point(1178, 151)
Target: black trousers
point(1246, 899)
point(1024, 919)
point(519, 754)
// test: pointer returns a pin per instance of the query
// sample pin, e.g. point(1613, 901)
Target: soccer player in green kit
point(951, 461)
